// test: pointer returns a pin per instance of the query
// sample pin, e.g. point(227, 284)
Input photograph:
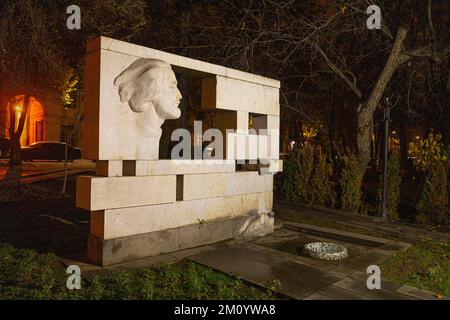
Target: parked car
point(5, 145)
point(49, 150)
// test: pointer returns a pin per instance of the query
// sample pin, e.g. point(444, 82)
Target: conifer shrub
point(349, 185)
point(432, 206)
point(297, 173)
point(321, 187)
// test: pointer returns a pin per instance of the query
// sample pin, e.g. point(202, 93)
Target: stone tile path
point(304, 278)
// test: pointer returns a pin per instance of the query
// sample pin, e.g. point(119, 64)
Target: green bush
point(394, 182)
point(320, 186)
point(297, 172)
point(427, 151)
point(25, 274)
point(349, 183)
point(289, 166)
point(433, 200)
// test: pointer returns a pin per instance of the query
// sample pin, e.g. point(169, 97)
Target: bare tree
point(314, 46)
point(38, 52)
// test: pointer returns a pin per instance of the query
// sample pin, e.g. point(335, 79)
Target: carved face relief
point(150, 87)
point(168, 97)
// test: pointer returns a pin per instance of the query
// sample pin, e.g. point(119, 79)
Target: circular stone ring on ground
point(325, 251)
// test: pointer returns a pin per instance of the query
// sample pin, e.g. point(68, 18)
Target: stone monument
point(142, 206)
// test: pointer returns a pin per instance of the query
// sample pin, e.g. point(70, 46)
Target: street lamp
point(387, 118)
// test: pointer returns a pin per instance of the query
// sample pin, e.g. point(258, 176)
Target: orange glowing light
point(18, 110)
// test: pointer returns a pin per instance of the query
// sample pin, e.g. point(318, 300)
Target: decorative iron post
point(386, 119)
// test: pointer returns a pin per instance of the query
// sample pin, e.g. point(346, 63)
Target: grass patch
point(26, 274)
point(424, 265)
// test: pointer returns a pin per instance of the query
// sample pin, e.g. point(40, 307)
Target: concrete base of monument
point(113, 251)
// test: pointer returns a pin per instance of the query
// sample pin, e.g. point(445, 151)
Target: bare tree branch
point(338, 71)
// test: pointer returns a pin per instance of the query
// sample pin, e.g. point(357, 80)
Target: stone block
point(239, 205)
point(273, 124)
point(247, 182)
point(273, 167)
point(242, 121)
point(115, 132)
point(113, 251)
point(201, 186)
point(255, 225)
point(181, 62)
point(178, 167)
point(117, 223)
point(247, 96)
point(214, 185)
point(105, 168)
point(250, 77)
point(118, 250)
point(242, 227)
point(100, 193)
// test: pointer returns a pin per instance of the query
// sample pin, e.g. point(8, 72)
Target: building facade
point(46, 120)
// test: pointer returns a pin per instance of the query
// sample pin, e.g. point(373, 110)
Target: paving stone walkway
point(302, 277)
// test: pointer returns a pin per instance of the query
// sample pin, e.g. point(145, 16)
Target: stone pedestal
point(112, 251)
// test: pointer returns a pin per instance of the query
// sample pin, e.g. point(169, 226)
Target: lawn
point(424, 265)
point(26, 274)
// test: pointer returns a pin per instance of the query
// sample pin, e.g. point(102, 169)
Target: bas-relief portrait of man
point(149, 86)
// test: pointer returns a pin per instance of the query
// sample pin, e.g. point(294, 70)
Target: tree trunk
point(17, 158)
point(366, 110)
point(12, 127)
point(334, 150)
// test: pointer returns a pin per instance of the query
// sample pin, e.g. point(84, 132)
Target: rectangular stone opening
point(247, 166)
point(257, 122)
point(194, 90)
point(180, 187)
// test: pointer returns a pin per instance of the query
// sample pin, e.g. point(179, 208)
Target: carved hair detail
point(137, 84)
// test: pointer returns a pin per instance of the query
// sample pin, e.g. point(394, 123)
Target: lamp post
point(387, 118)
